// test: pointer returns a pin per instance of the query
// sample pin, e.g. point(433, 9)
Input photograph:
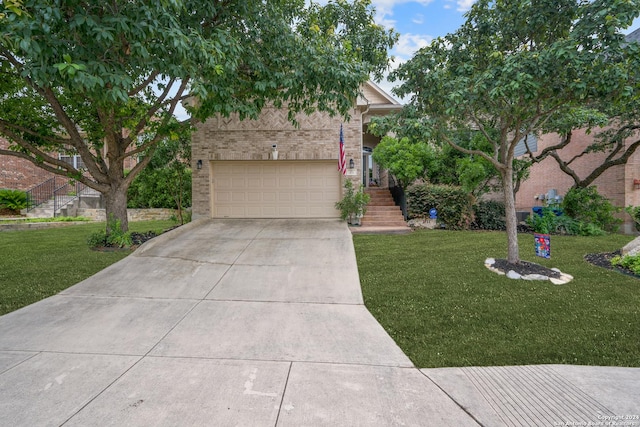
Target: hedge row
point(454, 205)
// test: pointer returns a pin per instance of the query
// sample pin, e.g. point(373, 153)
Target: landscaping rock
point(632, 248)
point(527, 271)
point(535, 277)
point(558, 281)
point(513, 275)
point(422, 223)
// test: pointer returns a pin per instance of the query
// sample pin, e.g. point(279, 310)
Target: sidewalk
point(259, 323)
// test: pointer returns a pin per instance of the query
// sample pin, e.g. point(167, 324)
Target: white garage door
point(274, 189)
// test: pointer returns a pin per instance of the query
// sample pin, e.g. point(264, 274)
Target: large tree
point(514, 66)
point(103, 79)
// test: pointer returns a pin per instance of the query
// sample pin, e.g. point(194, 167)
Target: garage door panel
point(254, 196)
point(269, 196)
point(267, 189)
point(300, 196)
point(268, 182)
point(285, 197)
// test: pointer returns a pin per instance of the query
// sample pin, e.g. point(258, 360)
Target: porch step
point(382, 216)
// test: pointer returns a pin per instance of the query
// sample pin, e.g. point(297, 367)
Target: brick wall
point(19, 174)
point(616, 183)
point(316, 138)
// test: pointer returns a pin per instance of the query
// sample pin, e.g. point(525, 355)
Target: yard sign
point(543, 245)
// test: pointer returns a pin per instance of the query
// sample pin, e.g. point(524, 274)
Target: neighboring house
point(236, 173)
point(21, 174)
point(620, 184)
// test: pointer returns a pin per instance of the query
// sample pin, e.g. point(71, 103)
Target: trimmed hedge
point(489, 215)
point(454, 205)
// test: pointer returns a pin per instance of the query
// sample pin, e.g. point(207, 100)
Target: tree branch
point(133, 92)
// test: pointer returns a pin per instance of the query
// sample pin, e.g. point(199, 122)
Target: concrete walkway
point(260, 323)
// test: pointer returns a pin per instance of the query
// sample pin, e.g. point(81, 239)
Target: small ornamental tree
point(513, 67)
point(405, 160)
point(103, 79)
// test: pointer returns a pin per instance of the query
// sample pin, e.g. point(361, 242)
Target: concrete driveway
point(235, 322)
point(257, 323)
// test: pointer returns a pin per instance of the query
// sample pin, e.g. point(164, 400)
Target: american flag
point(342, 159)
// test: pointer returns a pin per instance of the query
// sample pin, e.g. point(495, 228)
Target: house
point(20, 174)
point(620, 184)
point(268, 168)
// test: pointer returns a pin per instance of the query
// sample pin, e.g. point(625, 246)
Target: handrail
point(66, 194)
point(40, 193)
point(398, 194)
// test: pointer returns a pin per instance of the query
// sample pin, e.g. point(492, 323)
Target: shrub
point(353, 204)
point(454, 205)
point(14, 200)
point(634, 212)
point(116, 237)
point(489, 215)
point(588, 206)
point(554, 221)
point(631, 262)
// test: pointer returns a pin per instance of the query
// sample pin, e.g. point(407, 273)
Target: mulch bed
point(604, 260)
point(524, 267)
point(9, 212)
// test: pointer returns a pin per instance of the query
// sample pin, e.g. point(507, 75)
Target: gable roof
point(633, 36)
point(372, 94)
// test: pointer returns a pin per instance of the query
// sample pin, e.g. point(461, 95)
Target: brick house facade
point(617, 183)
point(237, 174)
point(19, 174)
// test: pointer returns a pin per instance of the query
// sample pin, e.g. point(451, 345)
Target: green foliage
point(489, 215)
point(54, 219)
point(64, 259)
point(405, 160)
point(589, 206)
point(631, 262)
point(118, 70)
point(511, 68)
point(555, 221)
point(432, 287)
point(113, 235)
point(166, 181)
point(353, 204)
point(14, 200)
point(454, 205)
point(634, 212)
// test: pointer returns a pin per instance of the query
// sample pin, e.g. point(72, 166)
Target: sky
point(420, 21)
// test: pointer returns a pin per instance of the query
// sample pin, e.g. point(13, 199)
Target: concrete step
point(382, 202)
point(383, 207)
point(373, 223)
point(384, 214)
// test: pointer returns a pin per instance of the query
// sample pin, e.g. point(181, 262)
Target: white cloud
point(384, 10)
point(464, 5)
point(409, 44)
point(418, 19)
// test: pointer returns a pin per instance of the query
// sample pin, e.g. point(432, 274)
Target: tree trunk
point(513, 252)
point(116, 207)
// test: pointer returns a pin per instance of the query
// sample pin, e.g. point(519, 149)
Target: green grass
point(37, 220)
point(36, 264)
point(433, 295)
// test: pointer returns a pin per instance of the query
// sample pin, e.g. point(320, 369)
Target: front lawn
point(433, 295)
point(36, 264)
